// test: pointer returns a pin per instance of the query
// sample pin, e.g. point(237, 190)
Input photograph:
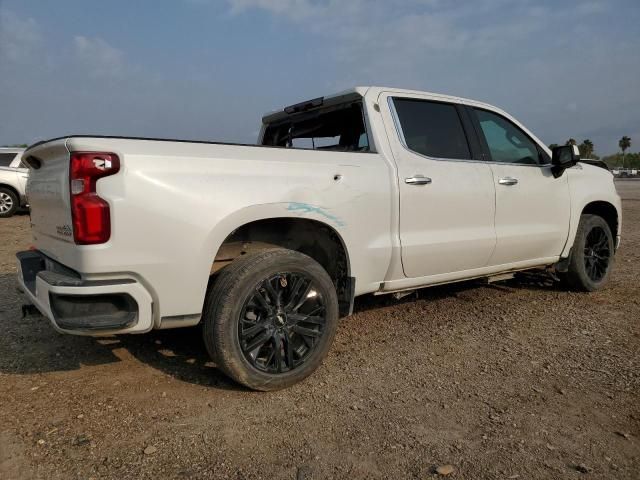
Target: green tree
point(632, 160)
point(571, 141)
point(552, 146)
point(586, 148)
point(624, 143)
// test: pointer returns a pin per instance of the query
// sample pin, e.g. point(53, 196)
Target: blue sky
point(208, 69)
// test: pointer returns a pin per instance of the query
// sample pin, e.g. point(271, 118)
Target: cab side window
point(431, 128)
point(506, 142)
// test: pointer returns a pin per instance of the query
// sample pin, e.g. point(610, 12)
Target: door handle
point(417, 180)
point(508, 181)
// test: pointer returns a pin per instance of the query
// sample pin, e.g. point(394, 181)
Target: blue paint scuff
point(306, 208)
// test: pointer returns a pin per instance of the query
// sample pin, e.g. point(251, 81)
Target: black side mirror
point(563, 157)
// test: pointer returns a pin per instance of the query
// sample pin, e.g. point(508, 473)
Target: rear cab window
point(340, 127)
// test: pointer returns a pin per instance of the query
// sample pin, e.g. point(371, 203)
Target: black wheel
point(270, 318)
point(9, 202)
point(592, 255)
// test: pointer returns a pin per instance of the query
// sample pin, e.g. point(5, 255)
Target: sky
point(209, 69)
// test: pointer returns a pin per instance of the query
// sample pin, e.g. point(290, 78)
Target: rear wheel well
point(315, 239)
point(605, 210)
point(9, 187)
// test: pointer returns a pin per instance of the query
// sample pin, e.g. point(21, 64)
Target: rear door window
point(6, 159)
point(431, 128)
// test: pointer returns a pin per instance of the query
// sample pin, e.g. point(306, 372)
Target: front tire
point(8, 203)
point(270, 318)
point(592, 255)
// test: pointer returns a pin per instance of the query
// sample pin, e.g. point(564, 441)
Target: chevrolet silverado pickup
point(372, 190)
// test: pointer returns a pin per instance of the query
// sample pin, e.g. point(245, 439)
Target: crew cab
point(373, 190)
point(13, 178)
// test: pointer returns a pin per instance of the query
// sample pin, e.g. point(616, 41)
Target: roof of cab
point(375, 91)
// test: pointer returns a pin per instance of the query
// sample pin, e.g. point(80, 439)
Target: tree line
point(621, 159)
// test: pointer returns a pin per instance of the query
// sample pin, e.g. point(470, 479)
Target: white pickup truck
point(373, 190)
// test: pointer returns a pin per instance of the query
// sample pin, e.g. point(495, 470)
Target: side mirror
point(563, 157)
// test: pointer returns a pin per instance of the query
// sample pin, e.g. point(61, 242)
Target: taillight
point(90, 213)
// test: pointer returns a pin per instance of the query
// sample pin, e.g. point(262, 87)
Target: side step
point(492, 279)
point(499, 278)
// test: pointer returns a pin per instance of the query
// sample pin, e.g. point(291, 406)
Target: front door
point(447, 198)
point(532, 207)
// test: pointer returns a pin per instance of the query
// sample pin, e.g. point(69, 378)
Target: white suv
point(13, 179)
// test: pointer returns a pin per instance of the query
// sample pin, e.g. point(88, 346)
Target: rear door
point(447, 197)
point(532, 207)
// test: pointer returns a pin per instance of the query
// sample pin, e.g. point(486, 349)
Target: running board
point(499, 278)
point(400, 294)
point(481, 278)
point(404, 293)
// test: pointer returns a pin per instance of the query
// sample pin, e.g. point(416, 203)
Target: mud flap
point(563, 265)
point(346, 297)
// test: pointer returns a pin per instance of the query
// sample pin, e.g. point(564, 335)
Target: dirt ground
point(513, 380)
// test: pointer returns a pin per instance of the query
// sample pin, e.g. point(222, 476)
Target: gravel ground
point(513, 380)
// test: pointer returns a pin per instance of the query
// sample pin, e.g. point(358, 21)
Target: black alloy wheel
point(270, 318)
point(281, 322)
point(592, 255)
point(597, 254)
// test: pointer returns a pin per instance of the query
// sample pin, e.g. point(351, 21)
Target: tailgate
point(48, 196)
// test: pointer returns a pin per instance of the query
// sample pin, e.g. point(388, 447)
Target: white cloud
point(294, 9)
point(411, 25)
point(98, 57)
point(18, 37)
point(429, 24)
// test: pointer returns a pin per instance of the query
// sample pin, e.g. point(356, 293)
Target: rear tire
point(9, 202)
point(270, 318)
point(592, 255)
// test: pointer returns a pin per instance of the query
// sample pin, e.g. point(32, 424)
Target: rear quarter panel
point(173, 204)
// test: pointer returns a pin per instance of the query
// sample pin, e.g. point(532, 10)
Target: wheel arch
point(314, 238)
point(12, 188)
point(606, 206)
point(605, 210)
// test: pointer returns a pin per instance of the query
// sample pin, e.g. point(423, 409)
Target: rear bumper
point(83, 307)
